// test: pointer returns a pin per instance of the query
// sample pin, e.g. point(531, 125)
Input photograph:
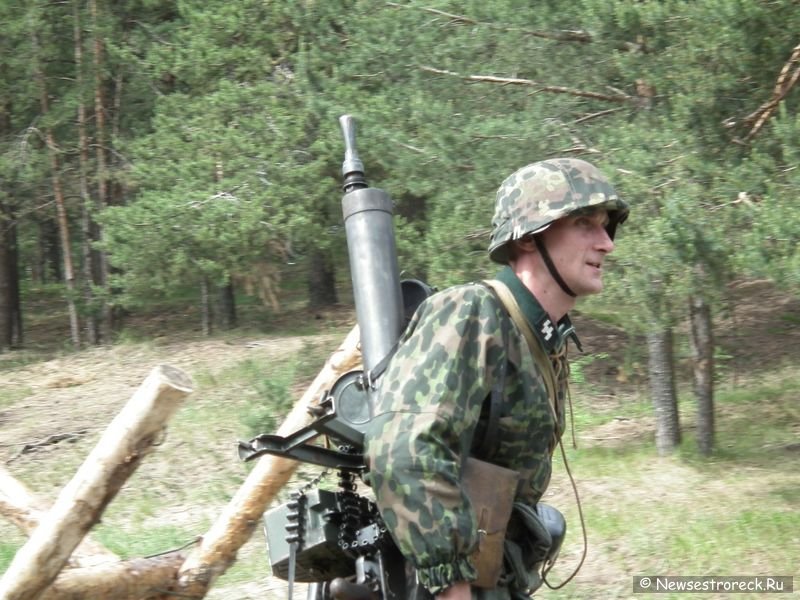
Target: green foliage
point(272, 398)
point(577, 366)
point(769, 225)
point(225, 153)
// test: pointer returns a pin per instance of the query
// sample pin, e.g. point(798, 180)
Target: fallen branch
point(18, 504)
point(218, 547)
point(127, 440)
point(121, 580)
point(70, 436)
point(555, 89)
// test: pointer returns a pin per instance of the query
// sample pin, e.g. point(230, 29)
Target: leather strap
point(548, 262)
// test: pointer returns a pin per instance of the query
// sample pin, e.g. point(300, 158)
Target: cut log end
point(175, 378)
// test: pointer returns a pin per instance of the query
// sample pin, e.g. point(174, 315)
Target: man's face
point(578, 245)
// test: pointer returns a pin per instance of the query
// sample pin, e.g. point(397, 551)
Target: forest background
point(163, 158)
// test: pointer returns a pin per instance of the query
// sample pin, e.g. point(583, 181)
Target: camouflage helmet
point(535, 196)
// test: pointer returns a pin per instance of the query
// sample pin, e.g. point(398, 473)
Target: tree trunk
point(47, 264)
point(102, 268)
point(10, 318)
point(10, 301)
point(6, 302)
point(662, 388)
point(226, 300)
point(132, 434)
point(226, 305)
point(703, 367)
point(66, 245)
point(206, 312)
point(17, 336)
point(321, 281)
point(58, 195)
point(88, 255)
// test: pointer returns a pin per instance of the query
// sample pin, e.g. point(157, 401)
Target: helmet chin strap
point(548, 262)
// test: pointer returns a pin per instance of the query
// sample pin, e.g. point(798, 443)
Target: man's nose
point(604, 242)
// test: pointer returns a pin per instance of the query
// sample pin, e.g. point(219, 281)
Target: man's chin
point(590, 290)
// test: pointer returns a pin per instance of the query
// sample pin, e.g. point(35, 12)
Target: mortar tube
point(374, 271)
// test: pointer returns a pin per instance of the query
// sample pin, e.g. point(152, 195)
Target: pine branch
point(787, 79)
point(565, 35)
point(596, 115)
point(554, 89)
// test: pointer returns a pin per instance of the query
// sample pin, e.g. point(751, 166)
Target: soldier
point(464, 382)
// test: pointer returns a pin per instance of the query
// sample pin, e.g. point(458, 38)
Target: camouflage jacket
point(429, 407)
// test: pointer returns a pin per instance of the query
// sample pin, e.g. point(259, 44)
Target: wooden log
point(218, 547)
point(25, 510)
point(18, 504)
point(129, 437)
point(121, 580)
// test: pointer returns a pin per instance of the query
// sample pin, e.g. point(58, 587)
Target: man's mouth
point(596, 265)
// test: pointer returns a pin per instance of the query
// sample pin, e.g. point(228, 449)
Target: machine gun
point(336, 540)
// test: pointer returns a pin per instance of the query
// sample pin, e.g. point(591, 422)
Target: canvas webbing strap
point(539, 355)
point(507, 299)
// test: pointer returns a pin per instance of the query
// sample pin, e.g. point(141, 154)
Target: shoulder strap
point(507, 299)
point(540, 356)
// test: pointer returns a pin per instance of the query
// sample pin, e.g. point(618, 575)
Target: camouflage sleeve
point(427, 408)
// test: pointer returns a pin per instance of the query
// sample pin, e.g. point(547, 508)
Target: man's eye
point(589, 223)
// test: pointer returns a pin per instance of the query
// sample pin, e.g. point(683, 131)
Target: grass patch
point(251, 565)
point(784, 383)
point(128, 336)
point(260, 393)
point(589, 413)
point(142, 542)
point(7, 552)
point(11, 394)
point(250, 393)
point(16, 359)
point(790, 318)
point(731, 514)
point(606, 461)
point(757, 425)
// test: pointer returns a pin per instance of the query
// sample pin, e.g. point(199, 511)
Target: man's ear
point(526, 244)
